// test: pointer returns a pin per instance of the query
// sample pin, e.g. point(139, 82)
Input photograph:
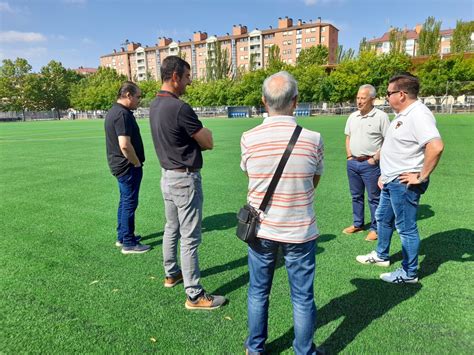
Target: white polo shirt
point(403, 149)
point(289, 216)
point(366, 132)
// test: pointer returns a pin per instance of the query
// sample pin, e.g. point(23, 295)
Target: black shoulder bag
point(248, 216)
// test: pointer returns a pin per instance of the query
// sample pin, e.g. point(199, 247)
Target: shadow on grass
point(424, 212)
point(216, 222)
point(219, 222)
point(225, 267)
point(145, 239)
point(243, 279)
point(359, 308)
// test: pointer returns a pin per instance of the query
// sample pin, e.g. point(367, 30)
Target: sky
point(77, 32)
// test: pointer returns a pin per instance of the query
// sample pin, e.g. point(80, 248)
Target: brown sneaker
point(172, 281)
point(351, 230)
point(371, 236)
point(205, 301)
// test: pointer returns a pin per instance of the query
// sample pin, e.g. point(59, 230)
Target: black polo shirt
point(120, 121)
point(172, 123)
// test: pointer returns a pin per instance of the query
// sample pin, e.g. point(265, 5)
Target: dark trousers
point(363, 175)
point(129, 185)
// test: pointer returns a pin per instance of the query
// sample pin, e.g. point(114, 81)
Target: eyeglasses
point(390, 93)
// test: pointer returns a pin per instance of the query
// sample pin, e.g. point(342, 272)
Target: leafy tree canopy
point(317, 55)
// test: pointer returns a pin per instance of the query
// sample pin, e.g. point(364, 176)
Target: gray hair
point(372, 91)
point(279, 90)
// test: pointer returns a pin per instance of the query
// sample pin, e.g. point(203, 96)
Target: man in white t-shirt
point(409, 154)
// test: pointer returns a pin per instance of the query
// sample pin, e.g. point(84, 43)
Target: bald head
point(280, 91)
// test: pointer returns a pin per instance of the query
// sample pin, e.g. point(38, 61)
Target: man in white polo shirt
point(289, 221)
point(409, 154)
point(365, 131)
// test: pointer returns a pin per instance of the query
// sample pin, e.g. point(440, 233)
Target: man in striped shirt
point(289, 221)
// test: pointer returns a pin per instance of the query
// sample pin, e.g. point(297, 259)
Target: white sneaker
point(119, 244)
point(372, 258)
point(136, 249)
point(398, 276)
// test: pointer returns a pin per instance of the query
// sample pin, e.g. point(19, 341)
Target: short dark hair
point(127, 87)
point(406, 82)
point(173, 64)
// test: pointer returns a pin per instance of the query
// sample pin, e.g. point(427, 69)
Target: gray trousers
point(183, 197)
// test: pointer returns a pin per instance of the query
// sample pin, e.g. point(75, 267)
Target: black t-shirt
point(121, 122)
point(172, 123)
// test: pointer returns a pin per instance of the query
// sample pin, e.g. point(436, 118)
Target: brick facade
point(382, 44)
point(137, 62)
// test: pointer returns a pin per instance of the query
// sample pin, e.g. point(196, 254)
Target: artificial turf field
point(65, 287)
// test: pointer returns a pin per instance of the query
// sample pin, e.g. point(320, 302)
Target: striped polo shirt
point(289, 216)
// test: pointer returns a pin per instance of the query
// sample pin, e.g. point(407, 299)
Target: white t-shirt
point(403, 149)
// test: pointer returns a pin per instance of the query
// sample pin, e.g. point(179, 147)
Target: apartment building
point(243, 48)
point(85, 71)
point(382, 44)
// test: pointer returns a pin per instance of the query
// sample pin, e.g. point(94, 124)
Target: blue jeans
point(300, 265)
point(397, 209)
point(129, 186)
point(363, 175)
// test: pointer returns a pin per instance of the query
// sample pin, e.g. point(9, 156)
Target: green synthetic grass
point(66, 288)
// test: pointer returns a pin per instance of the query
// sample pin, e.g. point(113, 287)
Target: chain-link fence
point(12, 116)
point(437, 104)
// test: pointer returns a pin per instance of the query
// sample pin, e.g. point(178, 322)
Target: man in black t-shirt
point(125, 156)
point(179, 137)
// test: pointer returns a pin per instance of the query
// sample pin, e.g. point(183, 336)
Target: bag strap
point(279, 170)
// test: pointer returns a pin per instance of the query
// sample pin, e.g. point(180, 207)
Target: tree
point(364, 46)
point(181, 54)
point(397, 39)
point(97, 91)
point(149, 89)
point(342, 54)
point(274, 59)
point(462, 74)
point(248, 90)
point(428, 41)
point(253, 61)
point(16, 85)
point(433, 75)
point(368, 68)
point(461, 41)
point(217, 62)
point(312, 83)
point(209, 93)
point(453, 76)
point(56, 83)
point(386, 66)
point(313, 55)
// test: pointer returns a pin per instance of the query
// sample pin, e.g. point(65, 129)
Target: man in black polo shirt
point(125, 156)
point(179, 137)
